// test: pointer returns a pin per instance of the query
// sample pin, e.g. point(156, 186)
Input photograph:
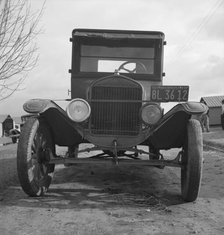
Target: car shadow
point(100, 186)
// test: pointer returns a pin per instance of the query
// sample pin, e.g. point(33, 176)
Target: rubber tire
point(34, 176)
point(192, 160)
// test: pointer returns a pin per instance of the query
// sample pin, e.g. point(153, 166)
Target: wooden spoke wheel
point(192, 162)
point(33, 154)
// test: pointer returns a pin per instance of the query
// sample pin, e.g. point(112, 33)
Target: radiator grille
point(115, 110)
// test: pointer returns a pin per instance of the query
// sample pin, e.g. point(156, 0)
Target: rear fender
point(64, 131)
point(170, 132)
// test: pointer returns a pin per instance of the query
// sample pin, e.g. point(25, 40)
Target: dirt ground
point(101, 199)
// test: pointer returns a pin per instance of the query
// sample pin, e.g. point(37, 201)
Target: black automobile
point(116, 95)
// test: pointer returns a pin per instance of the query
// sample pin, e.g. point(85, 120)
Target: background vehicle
point(14, 133)
point(116, 91)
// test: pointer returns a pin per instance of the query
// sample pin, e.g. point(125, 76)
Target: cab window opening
point(96, 58)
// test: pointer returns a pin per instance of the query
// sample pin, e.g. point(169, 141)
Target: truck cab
point(115, 107)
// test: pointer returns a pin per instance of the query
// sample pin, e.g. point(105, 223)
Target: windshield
point(97, 58)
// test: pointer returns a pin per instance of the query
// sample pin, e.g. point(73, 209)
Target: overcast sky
point(194, 54)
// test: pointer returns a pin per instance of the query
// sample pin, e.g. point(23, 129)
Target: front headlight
point(151, 114)
point(78, 110)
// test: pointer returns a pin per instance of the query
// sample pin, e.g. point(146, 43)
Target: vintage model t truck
point(116, 92)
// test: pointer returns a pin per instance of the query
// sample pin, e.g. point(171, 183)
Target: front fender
point(170, 132)
point(192, 108)
point(36, 106)
point(64, 131)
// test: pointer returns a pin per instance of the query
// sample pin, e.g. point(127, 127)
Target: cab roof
point(117, 34)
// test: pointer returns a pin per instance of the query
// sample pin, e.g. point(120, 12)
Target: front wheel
point(33, 154)
point(192, 162)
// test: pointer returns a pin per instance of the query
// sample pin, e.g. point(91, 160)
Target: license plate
point(169, 93)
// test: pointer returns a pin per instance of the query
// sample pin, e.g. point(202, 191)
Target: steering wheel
point(122, 66)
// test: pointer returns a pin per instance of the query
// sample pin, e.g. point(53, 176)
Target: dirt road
point(125, 200)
